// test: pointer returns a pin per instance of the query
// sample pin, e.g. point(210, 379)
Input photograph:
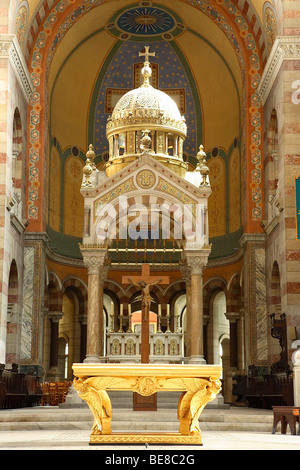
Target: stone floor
point(38, 437)
point(79, 440)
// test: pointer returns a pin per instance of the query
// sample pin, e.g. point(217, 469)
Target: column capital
point(196, 261)
point(232, 316)
point(94, 259)
point(55, 316)
point(185, 272)
point(83, 318)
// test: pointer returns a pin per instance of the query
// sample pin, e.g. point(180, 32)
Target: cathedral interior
point(230, 70)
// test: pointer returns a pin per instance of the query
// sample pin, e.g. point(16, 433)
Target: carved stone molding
point(95, 261)
point(55, 316)
point(196, 262)
point(10, 49)
point(284, 48)
point(186, 273)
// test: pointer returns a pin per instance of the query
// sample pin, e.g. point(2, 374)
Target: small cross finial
point(147, 54)
point(146, 70)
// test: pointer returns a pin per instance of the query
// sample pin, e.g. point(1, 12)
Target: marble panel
point(261, 306)
point(28, 298)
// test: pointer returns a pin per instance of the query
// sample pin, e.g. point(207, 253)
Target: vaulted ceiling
point(83, 54)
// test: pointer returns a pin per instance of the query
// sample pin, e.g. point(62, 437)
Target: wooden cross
point(144, 282)
point(147, 54)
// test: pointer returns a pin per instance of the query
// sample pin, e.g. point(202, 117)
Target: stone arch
point(70, 329)
point(79, 288)
point(212, 289)
point(274, 307)
point(275, 290)
point(209, 289)
point(17, 170)
point(239, 31)
point(271, 167)
point(115, 294)
point(234, 301)
point(112, 220)
point(54, 293)
point(13, 324)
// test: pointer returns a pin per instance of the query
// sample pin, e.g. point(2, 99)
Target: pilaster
point(256, 319)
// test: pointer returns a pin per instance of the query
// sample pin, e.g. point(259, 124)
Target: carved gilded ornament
point(146, 386)
point(119, 190)
point(197, 392)
point(145, 179)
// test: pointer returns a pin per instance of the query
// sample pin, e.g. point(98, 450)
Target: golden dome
point(146, 112)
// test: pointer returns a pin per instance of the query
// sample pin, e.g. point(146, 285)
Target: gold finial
point(146, 70)
point(88, 167)
point(204, 170)
point(91, 155)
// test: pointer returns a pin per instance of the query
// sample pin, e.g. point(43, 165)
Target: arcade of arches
point(233, 70)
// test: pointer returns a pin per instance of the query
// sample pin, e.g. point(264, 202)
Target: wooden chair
point(286, 415)
point(53, 394)
point(46, 394)
point(60, 392)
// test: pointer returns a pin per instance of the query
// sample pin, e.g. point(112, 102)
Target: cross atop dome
point(147, 54)
point(146, 70)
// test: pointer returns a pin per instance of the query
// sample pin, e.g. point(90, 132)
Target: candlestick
point(121, 318)
point(168, 319)
point(112, 326)
point(159, 319)
point(129, 315)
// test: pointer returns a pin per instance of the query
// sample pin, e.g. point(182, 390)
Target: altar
point(199, 385)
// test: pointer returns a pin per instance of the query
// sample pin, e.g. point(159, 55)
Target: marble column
point(95, 261)
point(196, 262)
point(83, 336)
point(233, 319)
point(53, 372)
point(186, 276)
point(296, 372)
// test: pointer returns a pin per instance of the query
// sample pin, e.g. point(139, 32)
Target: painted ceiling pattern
point(123, 75)
point(245, 36)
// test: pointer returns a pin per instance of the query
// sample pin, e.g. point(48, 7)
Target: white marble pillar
point(186, 276)
point(296, 373)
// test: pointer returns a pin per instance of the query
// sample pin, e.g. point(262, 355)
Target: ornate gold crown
point(149, 112)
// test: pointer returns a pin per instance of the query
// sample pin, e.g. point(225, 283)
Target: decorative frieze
point(284, 48)
point(10, 49)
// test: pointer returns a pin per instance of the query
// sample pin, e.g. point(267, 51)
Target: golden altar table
point(199, 385)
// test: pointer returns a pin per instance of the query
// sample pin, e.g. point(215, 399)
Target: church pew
point(18, 390)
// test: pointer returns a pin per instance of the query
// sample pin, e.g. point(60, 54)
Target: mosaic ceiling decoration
point(145, 20)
